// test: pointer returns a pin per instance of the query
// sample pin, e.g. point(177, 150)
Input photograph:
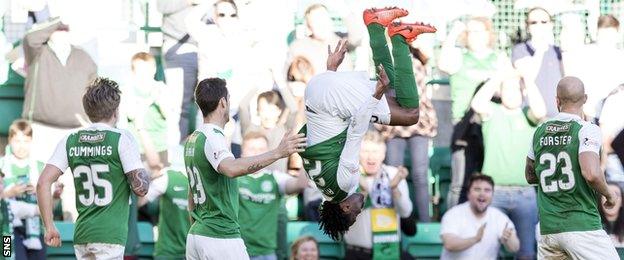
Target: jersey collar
point(567, 117)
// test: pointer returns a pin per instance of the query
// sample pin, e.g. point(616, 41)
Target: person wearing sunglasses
point(540, 54)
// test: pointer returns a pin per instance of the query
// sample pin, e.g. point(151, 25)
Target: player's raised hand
point(383, 82)
point(291, 143)
point(335, 58)
point(52, 237)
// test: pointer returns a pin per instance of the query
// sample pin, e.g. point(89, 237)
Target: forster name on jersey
point(557, 129)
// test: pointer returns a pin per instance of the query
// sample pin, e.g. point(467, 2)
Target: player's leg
point(404, 110)
point(588, 245)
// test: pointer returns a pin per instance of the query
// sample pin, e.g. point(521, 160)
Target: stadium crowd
point(499, 89)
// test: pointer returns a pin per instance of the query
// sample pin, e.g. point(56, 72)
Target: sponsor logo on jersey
point(557, 128)
point(266, 186)
point(590, 142)
point(91, 137)
point(178, 188)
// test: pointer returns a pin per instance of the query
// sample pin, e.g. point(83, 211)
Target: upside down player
point(341, 105)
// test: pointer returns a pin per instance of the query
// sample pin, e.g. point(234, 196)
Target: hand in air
point(334, 59)
point(401, 175)
point(291, 143)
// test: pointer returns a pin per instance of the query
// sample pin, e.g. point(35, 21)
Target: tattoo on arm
point(139, 181)
point(256, 167)
point(529, 172)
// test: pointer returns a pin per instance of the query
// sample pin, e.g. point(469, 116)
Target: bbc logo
point(6, 246)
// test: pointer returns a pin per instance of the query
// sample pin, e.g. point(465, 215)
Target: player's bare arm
point(44, 200)
point(529, 172)
point(590, 169)
point(291, 143)
point(139, 181)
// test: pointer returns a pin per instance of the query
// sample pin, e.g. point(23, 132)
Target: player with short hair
point(564, 162)
point(211, 168)
point(341, 105)
point(106, 167)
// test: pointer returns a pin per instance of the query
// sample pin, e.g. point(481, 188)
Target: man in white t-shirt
point(473, 229)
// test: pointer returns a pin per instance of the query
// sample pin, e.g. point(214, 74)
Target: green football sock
point(381, 53)
point(404, 82)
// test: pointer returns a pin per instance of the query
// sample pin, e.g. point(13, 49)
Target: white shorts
point(576, 245)
point(332, 98)
point(209, 248)
point(99, 251)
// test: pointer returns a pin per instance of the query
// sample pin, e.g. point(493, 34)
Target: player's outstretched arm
point(44, 199)
point(291, 143)
point(139, 181)
point(529, 171)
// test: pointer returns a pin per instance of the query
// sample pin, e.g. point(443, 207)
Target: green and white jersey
point(99, 156)
point(332, 162)
point(173, 220)
point(260, 198)
point(566, 201)
point(215, 196)
point(16, 170)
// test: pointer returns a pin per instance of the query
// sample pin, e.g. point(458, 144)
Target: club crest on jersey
point(91, 138)
point(556, 128)
point(266, 186)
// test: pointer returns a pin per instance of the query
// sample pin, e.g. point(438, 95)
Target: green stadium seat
point(328, 248)
point(426, 244)
point(66, 250)
point(620, 251)
point(146, 236)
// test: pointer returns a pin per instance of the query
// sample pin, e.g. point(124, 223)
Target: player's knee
point(412, 116)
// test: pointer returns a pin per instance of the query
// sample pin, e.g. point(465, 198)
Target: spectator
point(597, 64)
point(58, 74)
point(147, 107)
point(20, 175)
point(613, 218)
point(304, 248)
point(467, 67)
point(180, 62)
point(386, 188)
point(223, 46)
point(611, 124)
point(540, 54)
point(277, 112)
point(320, 34)
point(260, 197)
point(503, 155)
point(473, 229)
point(417, 137)
point(171, 189)
point(299, 73)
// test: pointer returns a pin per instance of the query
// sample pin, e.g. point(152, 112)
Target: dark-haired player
point(341, 105)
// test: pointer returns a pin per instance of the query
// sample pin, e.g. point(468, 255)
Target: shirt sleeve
point(404, 205)
point(590, 139)
point(129, 153)
point(449, 224)
point(59, 157)
point(282, 180)
point(157, 188)
point(216, 149)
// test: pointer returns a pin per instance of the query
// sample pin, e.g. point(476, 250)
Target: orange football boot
point(383, 16)
point(409, 30)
